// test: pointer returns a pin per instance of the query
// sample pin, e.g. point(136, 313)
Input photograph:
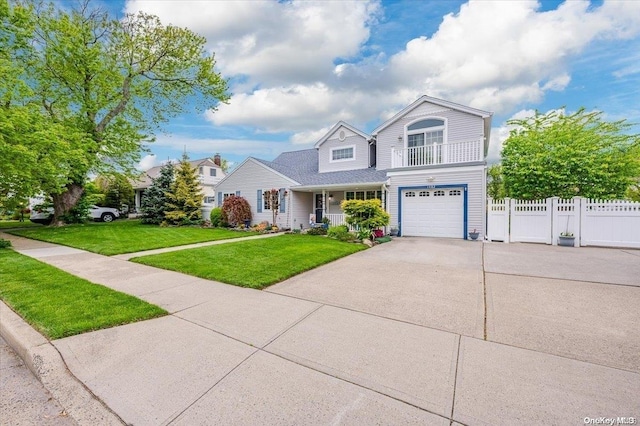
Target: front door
point(319, 208)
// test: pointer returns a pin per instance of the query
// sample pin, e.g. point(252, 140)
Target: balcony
point(430, 155)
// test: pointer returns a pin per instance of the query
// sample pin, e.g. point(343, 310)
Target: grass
point(126, 236)
point(8, 224)
point(256, 263)
point(59, 304)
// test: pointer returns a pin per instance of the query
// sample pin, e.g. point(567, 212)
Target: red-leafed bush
point(235, 210)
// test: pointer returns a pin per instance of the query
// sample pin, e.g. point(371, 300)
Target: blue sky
point(296, 68)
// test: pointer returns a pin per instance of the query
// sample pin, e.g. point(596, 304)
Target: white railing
point(612, 223)
point(336, 219)
point(427, 155)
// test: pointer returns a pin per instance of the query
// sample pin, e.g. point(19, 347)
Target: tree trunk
point(64, 202)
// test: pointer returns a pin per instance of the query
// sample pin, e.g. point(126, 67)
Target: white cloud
point(309, 137)
point(273, 42)
point(303, 64)
point(147, 162)
point(196, 147)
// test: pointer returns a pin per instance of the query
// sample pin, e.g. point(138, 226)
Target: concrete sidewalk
point(398, 342)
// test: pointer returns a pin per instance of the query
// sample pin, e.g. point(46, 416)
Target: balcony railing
point(428, 155)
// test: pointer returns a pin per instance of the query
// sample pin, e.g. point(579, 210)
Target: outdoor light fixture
point(330, 197)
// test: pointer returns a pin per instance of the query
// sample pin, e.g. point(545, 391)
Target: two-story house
point(209, 174)
point(426, 164)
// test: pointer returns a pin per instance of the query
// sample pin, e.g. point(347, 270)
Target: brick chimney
point(216, 159)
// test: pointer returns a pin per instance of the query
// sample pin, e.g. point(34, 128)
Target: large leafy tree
point(88, 90)
point(561, 155)
point(184, 198)
point(119, 192)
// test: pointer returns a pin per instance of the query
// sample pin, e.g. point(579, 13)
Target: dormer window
point(346, 153)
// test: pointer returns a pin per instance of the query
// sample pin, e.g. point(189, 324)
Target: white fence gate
point(613, 223)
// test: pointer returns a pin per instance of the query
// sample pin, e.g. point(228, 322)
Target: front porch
point(326, 202)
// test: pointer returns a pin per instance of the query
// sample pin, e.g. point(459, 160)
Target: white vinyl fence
point(612, 223)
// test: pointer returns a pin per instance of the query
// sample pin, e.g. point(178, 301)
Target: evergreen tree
point(184, 198)
point(155, 198)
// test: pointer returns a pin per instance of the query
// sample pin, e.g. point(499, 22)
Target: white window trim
point(444, 128)
point(227, 194)
point(265, 208)
point(342, 160)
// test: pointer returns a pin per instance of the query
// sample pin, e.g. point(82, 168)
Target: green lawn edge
point(126, 236)
point(59, 304)
point(257, 263)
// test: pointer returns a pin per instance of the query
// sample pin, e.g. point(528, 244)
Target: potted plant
point(474, 234)
point(325, 222)
point(566, 239)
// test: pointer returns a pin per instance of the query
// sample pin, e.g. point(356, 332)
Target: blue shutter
point(283, 207)
point(259, 203)
point(238, 193)
point(219, 199)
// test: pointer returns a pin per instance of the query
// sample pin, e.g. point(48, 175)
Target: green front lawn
point(126, 236)
point(8, 224)
point(59, 304)
point(256, 263)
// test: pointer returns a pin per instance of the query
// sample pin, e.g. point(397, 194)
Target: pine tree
point(184, 198)
point(155, 198)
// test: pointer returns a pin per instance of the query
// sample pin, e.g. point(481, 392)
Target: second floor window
point(200, 170)
point(425, 132)
point(342, 154)
point(212, 172)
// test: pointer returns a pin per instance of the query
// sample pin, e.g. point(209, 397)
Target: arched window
point(429, 131)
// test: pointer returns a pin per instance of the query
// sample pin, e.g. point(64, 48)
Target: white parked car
point(103, 214)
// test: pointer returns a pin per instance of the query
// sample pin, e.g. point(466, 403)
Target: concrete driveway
point(417, 331)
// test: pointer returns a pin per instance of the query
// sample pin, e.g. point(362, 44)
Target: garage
point(437, 212)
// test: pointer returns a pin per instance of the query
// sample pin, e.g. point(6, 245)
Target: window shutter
point(238, 193)
point(219, 199)
point(259, 203)
point(283, 207)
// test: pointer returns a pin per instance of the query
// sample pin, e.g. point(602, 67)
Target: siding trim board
point(465, 191)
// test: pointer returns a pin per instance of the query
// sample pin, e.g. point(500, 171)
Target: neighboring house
point(426, 164)
point(209, 172)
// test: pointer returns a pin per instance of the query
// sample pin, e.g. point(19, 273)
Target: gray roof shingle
point(302, 166)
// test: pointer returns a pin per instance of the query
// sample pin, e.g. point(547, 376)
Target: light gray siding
point(250, 177)
point(461, 126)
point(302, 206)
point(361, 151)
point(473, 176)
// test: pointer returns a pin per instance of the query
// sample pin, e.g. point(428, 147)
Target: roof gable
point(486, 115)
point(336, 127)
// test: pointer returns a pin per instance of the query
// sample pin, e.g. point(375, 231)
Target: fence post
point(555, 219)
point(507, 220)
point(577, 222)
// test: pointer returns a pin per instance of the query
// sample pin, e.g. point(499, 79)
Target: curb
point(46, 363)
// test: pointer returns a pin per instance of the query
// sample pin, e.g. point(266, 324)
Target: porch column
point(324, 203)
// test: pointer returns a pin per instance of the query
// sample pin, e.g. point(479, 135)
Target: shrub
point(383, 239)
point(235, 210)
point(216, 218)
point(4, 243)
point(341, 233)
point(317, 231)
point(365, 215)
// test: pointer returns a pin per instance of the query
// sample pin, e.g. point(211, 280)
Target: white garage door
point(433, 213)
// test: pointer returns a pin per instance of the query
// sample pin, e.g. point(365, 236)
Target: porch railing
point(336, 218)
point(427, 155)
